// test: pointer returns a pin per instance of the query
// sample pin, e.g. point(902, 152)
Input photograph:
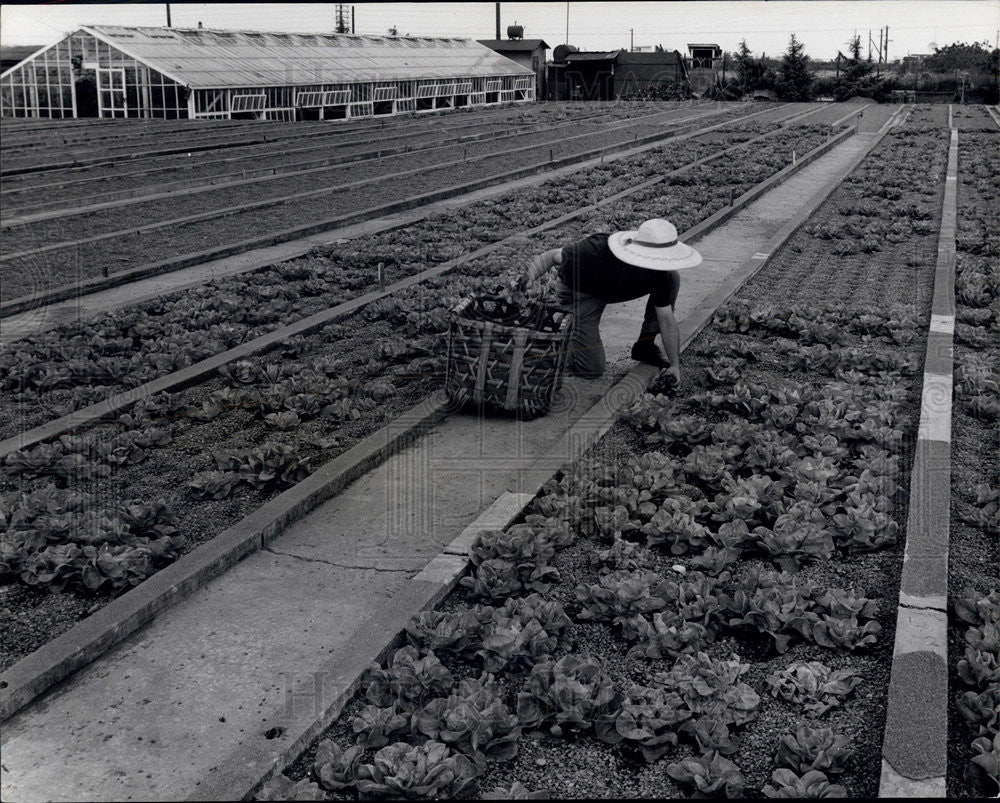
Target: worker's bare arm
point(670, 335)
point(542, 263)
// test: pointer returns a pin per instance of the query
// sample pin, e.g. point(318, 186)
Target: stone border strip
point(114, 405)
point(93, 636)
point(86, 641)
point(311, 707)
point(992, 111)
point(581, 161)
point(915, 746)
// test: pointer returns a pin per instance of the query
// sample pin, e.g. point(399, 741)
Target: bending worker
point(604, 269)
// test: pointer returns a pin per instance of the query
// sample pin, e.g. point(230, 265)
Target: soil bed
point(974, 549)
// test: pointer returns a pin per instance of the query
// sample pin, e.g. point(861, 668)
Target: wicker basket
point(504, 357)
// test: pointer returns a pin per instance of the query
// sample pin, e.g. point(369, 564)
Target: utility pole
point(869, 44)
point(168, 15)
point(631, 40)
point(352, 19)
point(567, 22)
point(887, 46)
point(342, 17)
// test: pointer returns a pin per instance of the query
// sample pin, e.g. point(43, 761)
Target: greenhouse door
point(111, 92)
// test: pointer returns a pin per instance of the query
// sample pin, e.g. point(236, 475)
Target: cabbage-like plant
point(456, 632)
point(812, 784)
point(621, 555)
point(571, 694)
point(983, 771)
point(618, 597)
point(667, 637)
point(493, 579)
point(812, 686)
point(650, 719)
point(281, 787)
point(711, 774)
point(676, 530)
point(473, 721)
point(337, 769)
point(428, 771)
point(814, 749)
point(516, 791)
point(712, 688)
point(409, 681)
point(376, 727)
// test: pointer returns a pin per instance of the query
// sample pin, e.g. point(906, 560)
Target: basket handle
point(516, 361)
point(484, 357)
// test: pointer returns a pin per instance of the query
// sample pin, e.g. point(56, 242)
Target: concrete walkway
point(190, 693)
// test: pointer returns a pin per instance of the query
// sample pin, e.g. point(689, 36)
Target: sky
point(824, 26)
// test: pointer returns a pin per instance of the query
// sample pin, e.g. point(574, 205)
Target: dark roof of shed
point(592, 55)
point(18, 53)
point(513, 45)
point(650, 57)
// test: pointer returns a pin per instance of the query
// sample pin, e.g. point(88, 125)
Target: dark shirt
point(590, 267)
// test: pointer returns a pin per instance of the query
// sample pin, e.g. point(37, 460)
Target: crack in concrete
point(924, 607)
point(331, 563)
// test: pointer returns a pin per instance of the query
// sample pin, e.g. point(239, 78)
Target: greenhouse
point(169, 73)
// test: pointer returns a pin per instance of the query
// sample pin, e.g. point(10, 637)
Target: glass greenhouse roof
point(203, 58)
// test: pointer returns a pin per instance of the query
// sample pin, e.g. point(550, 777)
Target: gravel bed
point(33, 272)
point(306, 131)
point(973, 553)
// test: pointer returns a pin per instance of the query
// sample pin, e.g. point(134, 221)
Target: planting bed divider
point(973, 573)
point(914, 751)
point(655, 480)
point(271, 166)
point(207, 232)
point(32, 679)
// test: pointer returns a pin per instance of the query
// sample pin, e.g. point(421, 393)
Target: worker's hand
point(673, 372)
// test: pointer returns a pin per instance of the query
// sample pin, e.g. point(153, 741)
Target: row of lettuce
point(705, 537)
point(976, 611)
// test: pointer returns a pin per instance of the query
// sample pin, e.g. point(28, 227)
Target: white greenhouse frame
point(49, 83)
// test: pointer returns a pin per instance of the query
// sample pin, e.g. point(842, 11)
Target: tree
point(855, 74)
point(745, 66)
point(959, 56)
point(794, 76)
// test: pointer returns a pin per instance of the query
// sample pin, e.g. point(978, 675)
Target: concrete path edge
point(93, 636)
point(915, 746)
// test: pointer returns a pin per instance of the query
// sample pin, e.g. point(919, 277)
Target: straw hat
point(654, 246)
